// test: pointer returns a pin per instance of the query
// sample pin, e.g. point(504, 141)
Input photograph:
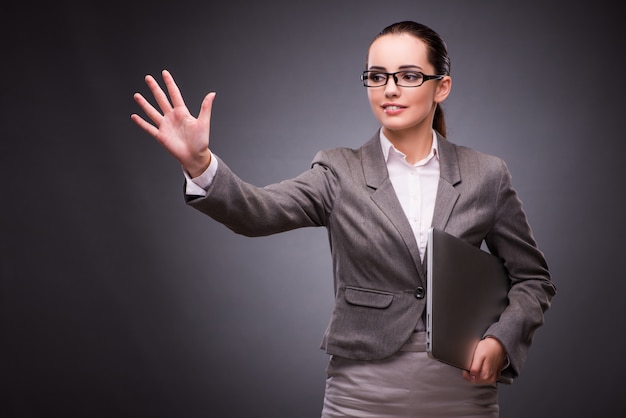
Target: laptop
point(466, 292)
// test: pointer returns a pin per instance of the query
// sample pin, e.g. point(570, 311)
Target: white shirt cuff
point(198, 186)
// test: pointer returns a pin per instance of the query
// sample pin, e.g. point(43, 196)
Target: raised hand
point(182, 135)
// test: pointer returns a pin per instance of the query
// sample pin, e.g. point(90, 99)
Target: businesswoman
point(377, 203)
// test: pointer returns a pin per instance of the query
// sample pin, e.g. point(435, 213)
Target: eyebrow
point(402, 67)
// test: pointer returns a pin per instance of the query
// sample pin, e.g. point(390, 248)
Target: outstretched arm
point(185, 137)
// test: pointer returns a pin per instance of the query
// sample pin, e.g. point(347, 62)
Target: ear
point(443, 89)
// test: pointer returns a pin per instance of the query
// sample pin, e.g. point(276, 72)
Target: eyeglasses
point(401, 78)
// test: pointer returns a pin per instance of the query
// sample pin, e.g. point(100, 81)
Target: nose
point(391, 88)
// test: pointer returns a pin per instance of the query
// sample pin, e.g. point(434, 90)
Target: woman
point(377, 203)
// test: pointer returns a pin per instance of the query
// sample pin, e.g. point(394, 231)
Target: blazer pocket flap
point(368, 297)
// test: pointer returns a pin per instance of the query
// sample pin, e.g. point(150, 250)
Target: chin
point(401, 127)
point(396, 127)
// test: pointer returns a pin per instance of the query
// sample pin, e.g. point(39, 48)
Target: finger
point(467, 376)
point(205, 109)
point(150, 129)
point(148, 109)
point(489, 373)
point(486, 375)
point(476, 369)
point(172, 89)
point(159, 94)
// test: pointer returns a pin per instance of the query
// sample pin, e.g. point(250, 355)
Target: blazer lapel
point(449, 176)
point(384, 195)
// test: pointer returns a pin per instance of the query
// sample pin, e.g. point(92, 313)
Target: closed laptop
point(466, 292)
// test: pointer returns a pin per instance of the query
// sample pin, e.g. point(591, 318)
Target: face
point(404, 110)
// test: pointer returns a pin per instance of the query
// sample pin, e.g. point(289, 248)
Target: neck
point(416, 145)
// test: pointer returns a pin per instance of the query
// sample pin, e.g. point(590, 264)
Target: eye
point(377, 77)
point(410, 76)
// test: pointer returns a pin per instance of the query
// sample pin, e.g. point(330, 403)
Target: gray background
point(116, 299)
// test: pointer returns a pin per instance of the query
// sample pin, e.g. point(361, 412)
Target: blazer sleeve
point(531, 292)
point(250, 210)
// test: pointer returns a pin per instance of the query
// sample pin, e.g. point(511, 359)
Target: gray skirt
point(408, 384)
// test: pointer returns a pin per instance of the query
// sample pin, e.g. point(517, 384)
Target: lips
point(393, 108)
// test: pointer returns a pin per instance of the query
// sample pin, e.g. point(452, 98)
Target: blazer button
point(420, 293)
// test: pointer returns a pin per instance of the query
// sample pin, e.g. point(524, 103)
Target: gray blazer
point(379, 278)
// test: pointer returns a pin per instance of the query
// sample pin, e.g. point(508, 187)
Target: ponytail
point(439, 121)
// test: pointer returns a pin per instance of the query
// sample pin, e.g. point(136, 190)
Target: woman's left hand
point(487, 362)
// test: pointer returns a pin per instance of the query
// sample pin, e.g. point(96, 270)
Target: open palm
point(182, 135)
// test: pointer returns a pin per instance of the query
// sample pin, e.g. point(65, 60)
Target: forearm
point(531, 287)
point(256, 211)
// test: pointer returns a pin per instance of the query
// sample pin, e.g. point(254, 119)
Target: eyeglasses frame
point(425, 77)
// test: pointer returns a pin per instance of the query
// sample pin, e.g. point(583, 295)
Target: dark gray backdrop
point(118, 300)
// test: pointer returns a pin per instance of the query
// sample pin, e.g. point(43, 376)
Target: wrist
point(199, 166)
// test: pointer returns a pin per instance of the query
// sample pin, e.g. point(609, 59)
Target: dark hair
point(437, 56)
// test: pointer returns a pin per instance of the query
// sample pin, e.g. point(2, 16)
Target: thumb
point(205, 110)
